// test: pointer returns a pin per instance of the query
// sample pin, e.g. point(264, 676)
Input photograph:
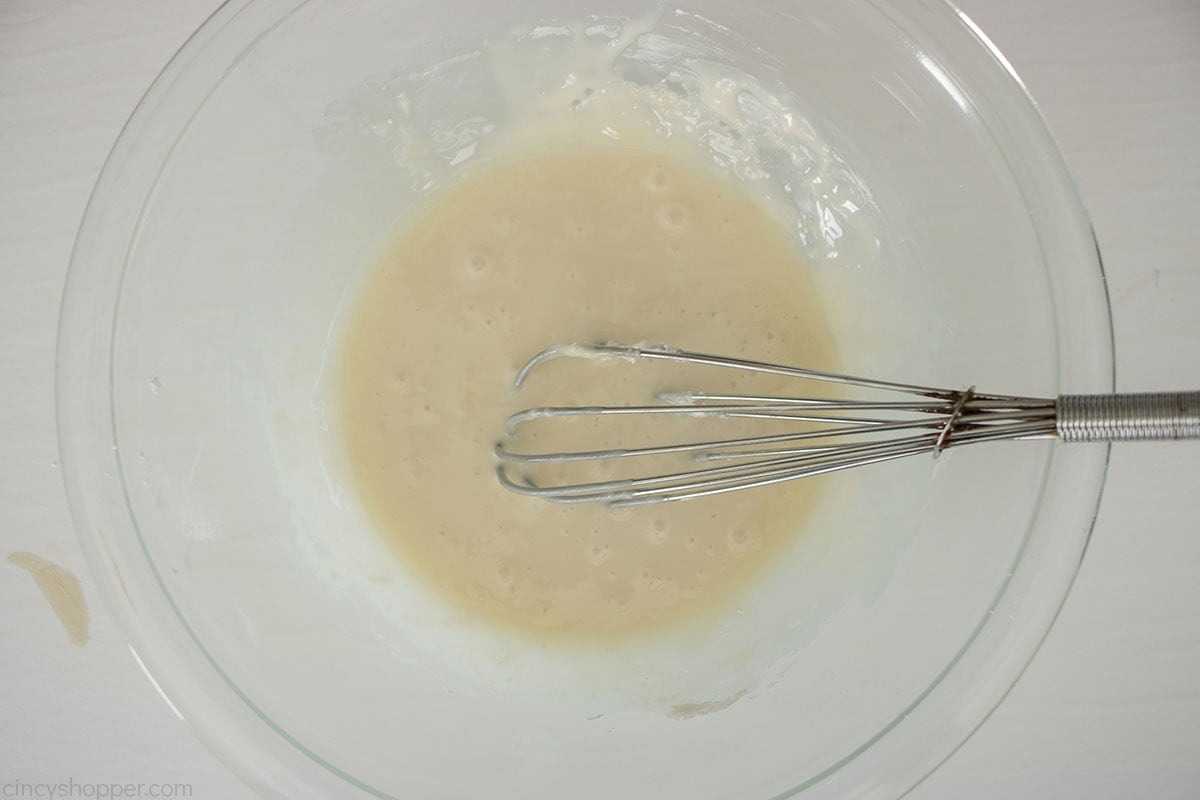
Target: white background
point(1110, 707)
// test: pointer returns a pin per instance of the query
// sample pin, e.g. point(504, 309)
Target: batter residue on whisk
point(584, 244)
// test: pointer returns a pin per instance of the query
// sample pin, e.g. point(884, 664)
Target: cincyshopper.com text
point(69, 789)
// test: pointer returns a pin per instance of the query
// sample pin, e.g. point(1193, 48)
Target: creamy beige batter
point(582, 244)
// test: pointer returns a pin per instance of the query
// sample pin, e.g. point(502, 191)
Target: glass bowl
point(240, 204)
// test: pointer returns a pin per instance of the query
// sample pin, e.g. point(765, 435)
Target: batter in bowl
point(582, 244)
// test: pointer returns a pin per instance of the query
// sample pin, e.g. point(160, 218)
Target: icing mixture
point(579, 243)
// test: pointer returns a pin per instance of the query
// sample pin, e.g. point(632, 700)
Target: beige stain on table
point(686, 711)
point(61, 590)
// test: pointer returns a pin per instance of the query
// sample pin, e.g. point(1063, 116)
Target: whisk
point(828, 435)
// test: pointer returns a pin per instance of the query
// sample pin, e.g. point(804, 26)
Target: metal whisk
point(829, 434)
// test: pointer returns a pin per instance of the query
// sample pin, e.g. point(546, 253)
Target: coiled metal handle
point(1128, 417)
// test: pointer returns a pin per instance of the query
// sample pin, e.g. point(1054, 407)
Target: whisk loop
point(834, 434)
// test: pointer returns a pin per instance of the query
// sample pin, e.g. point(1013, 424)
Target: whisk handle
point(1128, 417)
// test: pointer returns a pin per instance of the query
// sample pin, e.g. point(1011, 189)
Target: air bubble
point(737, 541)
point(478, 265)
point(659, 180)
point(673, 217)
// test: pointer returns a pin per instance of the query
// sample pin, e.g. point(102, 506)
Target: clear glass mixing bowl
point(250, 188)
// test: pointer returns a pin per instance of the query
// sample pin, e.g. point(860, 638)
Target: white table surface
point(1109, 708)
